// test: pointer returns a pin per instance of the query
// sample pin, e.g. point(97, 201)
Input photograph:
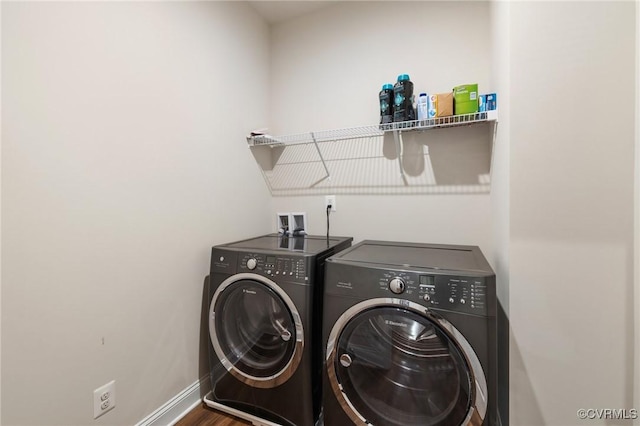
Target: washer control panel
point(458, 293)
point(292, 268)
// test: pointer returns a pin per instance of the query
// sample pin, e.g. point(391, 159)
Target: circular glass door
point(389, 365)
point(255, 330)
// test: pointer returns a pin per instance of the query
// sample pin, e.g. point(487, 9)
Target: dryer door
point(392, 362)
point(255, 330)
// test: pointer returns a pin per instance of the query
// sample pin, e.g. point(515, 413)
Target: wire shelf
point(370, 131)
point(392, 158)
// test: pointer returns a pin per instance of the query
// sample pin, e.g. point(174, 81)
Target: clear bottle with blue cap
point(423, 106)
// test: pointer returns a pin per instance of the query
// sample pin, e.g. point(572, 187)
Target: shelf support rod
point(315, 142)
point(397, 136)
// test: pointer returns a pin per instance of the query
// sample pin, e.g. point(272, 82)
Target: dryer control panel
point(458, 293)
point(467, 294)
point(291, 268)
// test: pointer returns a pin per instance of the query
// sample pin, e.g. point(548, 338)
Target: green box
point(465, 99)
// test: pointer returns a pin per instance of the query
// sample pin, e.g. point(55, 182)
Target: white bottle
point(423, 106)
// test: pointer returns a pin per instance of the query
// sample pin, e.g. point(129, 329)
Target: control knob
point(252, 263)
point(396, 285)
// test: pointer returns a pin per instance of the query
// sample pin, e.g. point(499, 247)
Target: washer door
point(392, 362)
point(255, 330)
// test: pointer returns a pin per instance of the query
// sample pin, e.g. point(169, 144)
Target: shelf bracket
point(328, 176)
point(397, 137)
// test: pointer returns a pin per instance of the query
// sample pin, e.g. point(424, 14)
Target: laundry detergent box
point(440, 105)
point(465, 99)
point(488, 102)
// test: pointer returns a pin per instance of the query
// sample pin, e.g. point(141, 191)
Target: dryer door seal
point(393, 362)
point(255, 330)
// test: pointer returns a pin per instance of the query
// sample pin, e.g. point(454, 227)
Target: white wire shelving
point(300, 163)
point(372, 130)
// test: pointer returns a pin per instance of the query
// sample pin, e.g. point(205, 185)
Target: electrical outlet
point(104, 399)
point(330, 200)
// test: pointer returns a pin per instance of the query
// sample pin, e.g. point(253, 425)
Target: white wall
point(328, 66)
point(123, 161)
point(326, 71)
point(571, 196)
point(500, 24)
point(0, 223)
point(636, 391)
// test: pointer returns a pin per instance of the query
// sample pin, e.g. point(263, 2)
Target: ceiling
point(279, 11)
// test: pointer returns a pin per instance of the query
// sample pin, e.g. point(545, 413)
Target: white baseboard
point(177, 407)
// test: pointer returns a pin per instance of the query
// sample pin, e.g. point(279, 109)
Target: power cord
point(328, 212)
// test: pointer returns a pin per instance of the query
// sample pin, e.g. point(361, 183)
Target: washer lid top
point(275, 242)
point(431, 256)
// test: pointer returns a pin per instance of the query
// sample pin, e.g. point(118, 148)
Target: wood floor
point(205, 416)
